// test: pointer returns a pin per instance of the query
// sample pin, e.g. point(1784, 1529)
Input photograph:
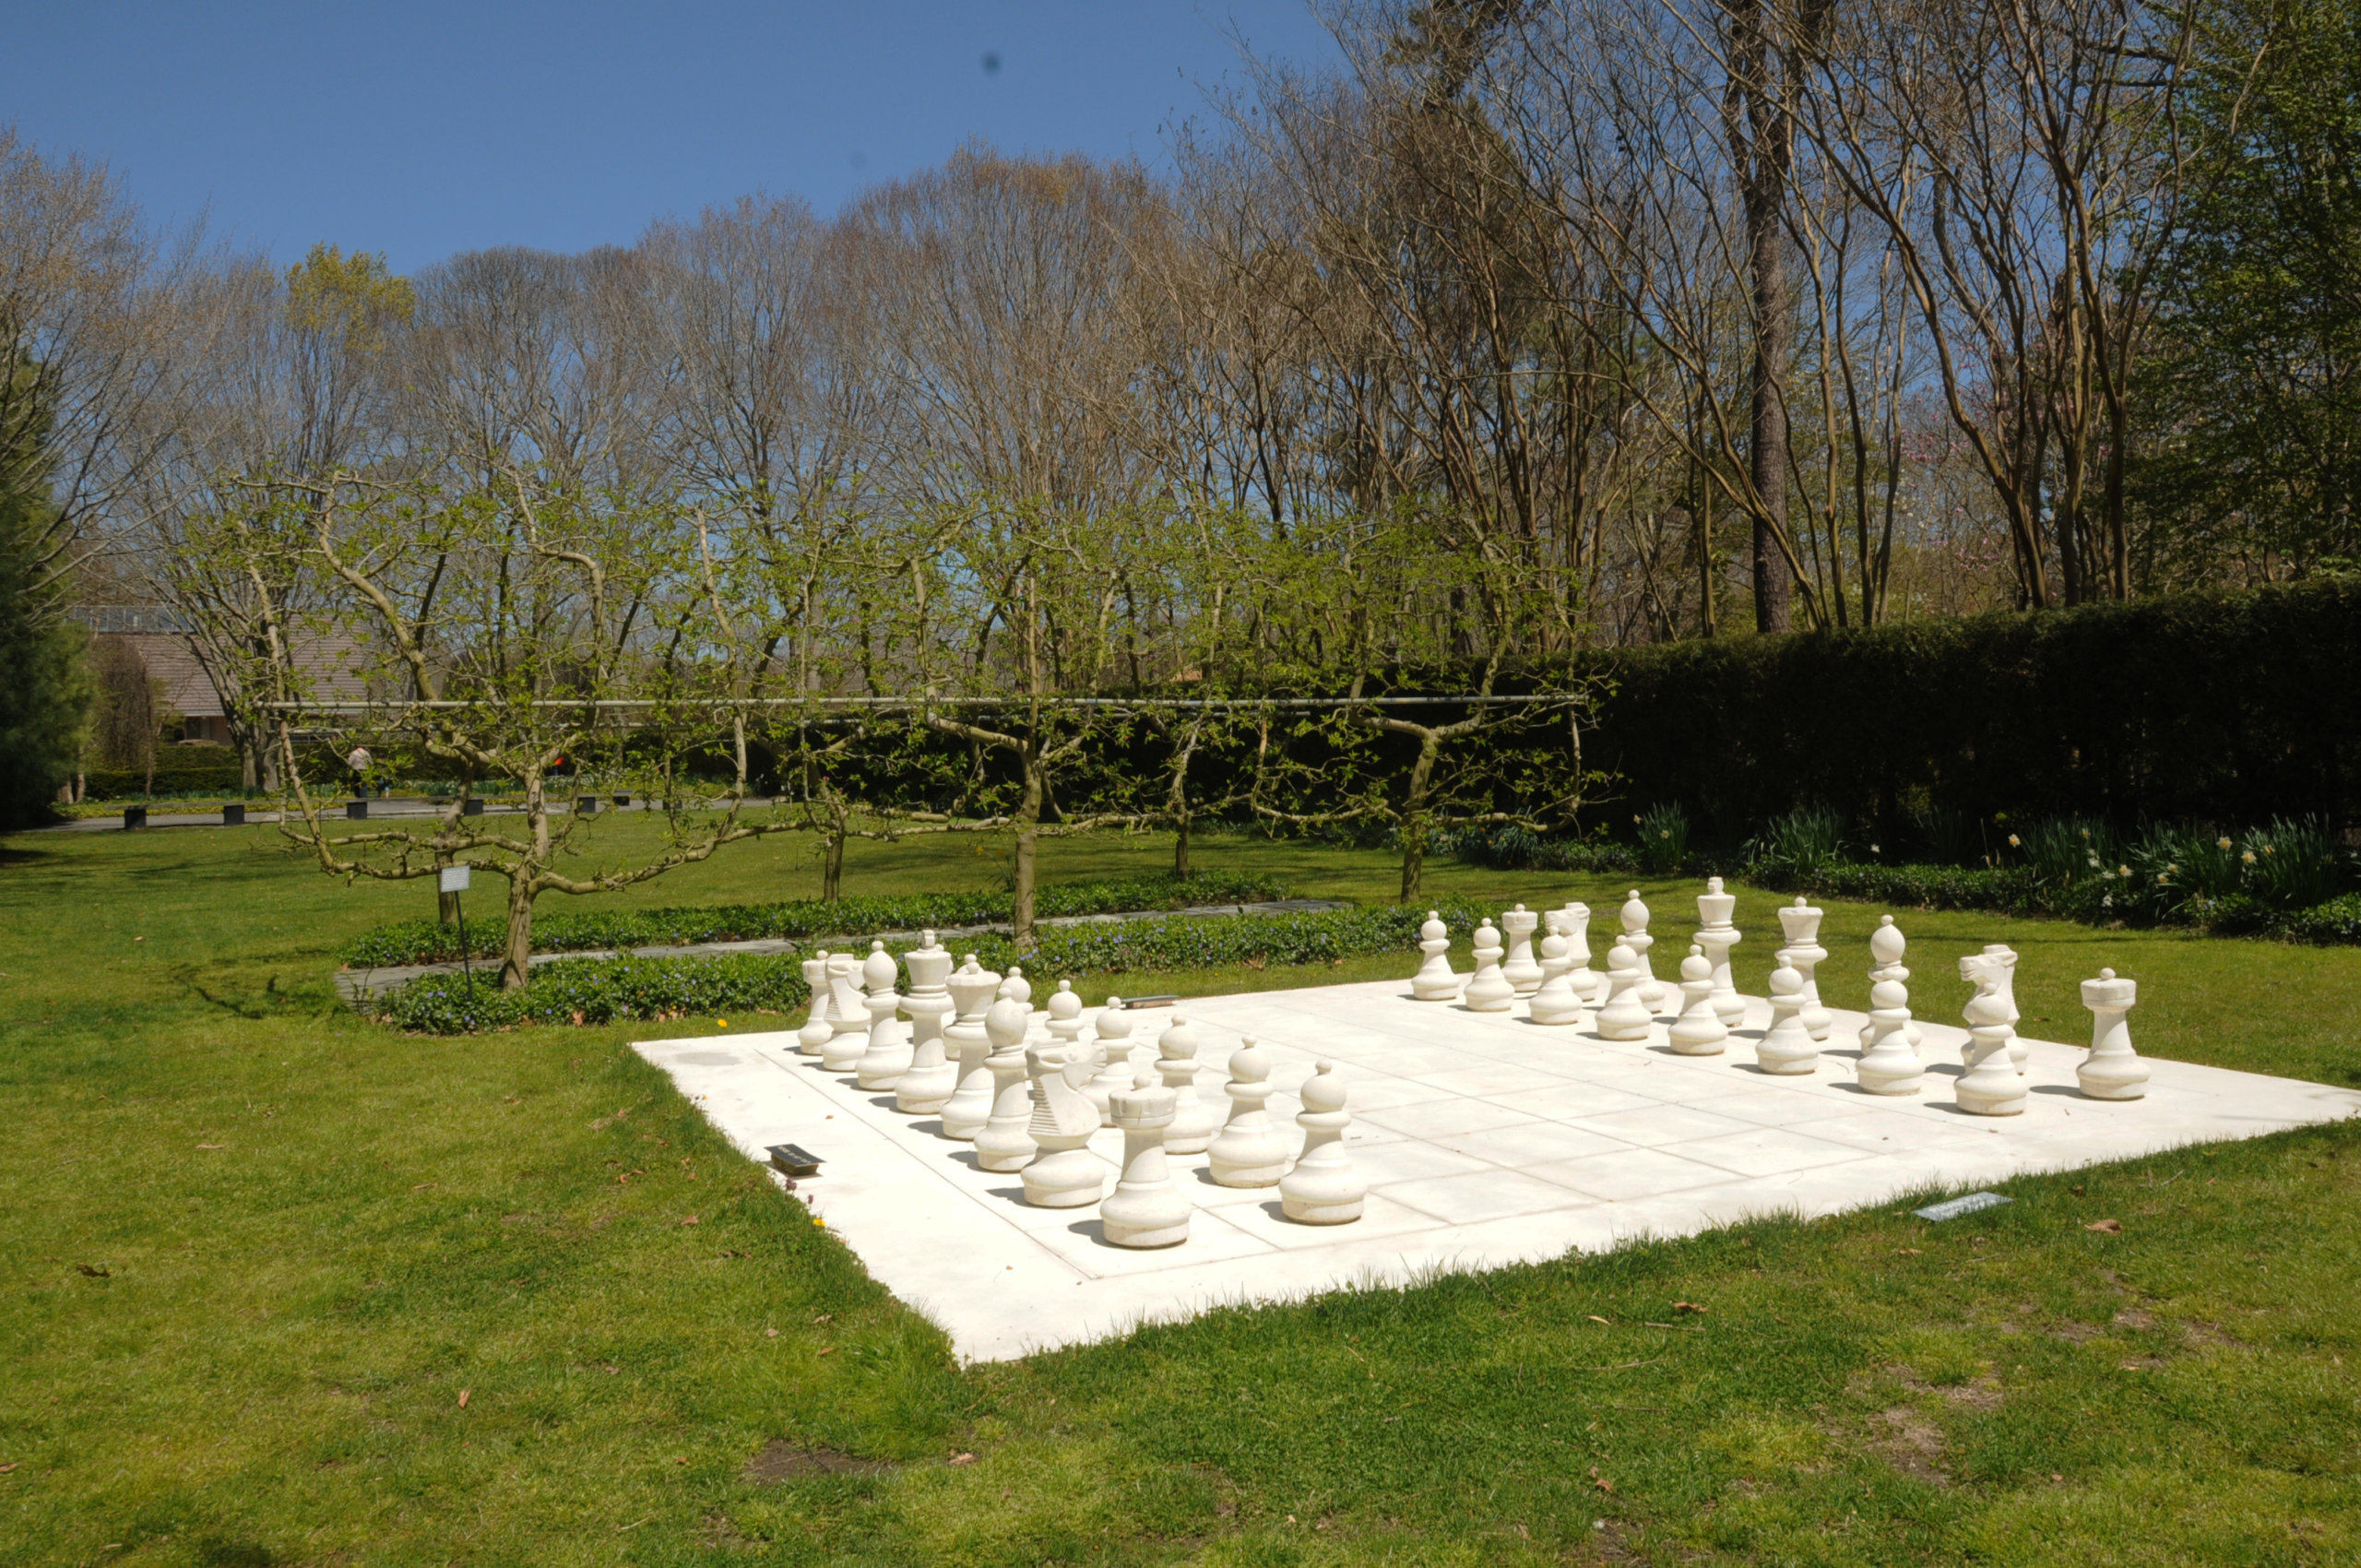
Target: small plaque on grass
point(795, 1159)
point(1951, 1209)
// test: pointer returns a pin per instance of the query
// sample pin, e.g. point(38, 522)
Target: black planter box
point(233, 816)
point(357, 811)
point(134, 816)
point(471, 806)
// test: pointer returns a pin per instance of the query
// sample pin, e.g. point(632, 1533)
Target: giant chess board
point(1486, 1139)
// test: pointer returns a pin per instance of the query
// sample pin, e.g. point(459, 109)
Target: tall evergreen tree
point(44, 686)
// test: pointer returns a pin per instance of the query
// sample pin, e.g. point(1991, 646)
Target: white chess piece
point(1147, 1207)
point(1800, 923)
point(1193, 1121)
point(815, 1031)
point(1624, 1016)
point(1006, 1140)
point(1556, 957)
point(1016, 988)
point(1113, 1026)
point(1322, 1188)
point(933, 1077)
point(1065, 1173)
point(1556, 1002)
point(1573, 920)
point(848, 1014)
point(2001, 961)
point(1699, 1031)
point(887, 1057)
point(1519, 968)
point(2113, 1069)
point(1991, 1086)
point(1716, 935)
point(1989, 972)
point(1888, 1063)
point(1787, 1046)
point(1878, 972)
point(970, 1105)
point(1489, 990)
point(1249, 1151)
point(1636, 937)
point(1066, 1017)
point(1435, 980)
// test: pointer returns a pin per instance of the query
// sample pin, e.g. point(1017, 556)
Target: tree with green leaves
point(44, 698)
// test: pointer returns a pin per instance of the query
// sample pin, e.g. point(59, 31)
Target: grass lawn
point(261, 1250)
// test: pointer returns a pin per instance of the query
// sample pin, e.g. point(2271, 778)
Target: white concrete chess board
point(1486, 1139)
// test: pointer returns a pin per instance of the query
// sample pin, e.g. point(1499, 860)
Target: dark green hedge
point(599, 990)
point(179, 770)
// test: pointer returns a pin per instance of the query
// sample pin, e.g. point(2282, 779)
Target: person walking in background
point(359, 760)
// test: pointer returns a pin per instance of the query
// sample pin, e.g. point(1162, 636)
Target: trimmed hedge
point(431, 942)
point(180, 770)
point(599, 990)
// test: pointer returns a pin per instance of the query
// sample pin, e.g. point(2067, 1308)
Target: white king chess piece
point(1699, 1031)
point(1635, 936)
point(1889, 1065)
point(1064, 1174)
point(1624, 1016)
point(1990, 1086)
point(1249, 1151)
point(933, 1076)
point(970, 1105)
point(1716, 935)
point(1787, 1046)
point(1322, 1188)
point(1520, 969)
point(2113, 1069)
point(1800, 924)
point(1147, 1207)
point(1435, 981)
point(887, 1055)
point(1489, 990)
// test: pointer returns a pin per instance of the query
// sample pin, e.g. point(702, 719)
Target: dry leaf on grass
point(1596, 1318)
point(463, 1398)
point(2105, 1227)
point(1687, 1307)
point(963, 1458)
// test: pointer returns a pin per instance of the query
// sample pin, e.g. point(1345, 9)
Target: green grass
point(265, 1365)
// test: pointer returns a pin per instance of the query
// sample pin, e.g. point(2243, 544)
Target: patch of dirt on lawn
point(2132, 1317)
point(1910, 1442)
point(783, 1461)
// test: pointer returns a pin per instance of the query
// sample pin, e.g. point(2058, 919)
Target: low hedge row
point(431, 942)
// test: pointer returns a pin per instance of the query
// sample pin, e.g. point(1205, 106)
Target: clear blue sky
point(424, 128)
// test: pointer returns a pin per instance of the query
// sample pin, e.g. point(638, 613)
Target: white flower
point(2247, 857)
point(2107, 902)
point(1873, 849)
point(2012, 841)
point(2221, 843)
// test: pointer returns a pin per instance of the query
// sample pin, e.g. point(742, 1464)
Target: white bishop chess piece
point(1635, 936)
point(1699, 1031)
point(1991, 1086)
point(1556, 1002)
point(1435, 980)
point(1006, 1140)
point(1322, 1188)
point(1800, 924)
point(887, 1057)
point(815, 1031)
point(1787, 1046)
point(1888, 1065)
point(970, 1105)
point(1520, 969)
point(1716, 935)
point(1113, 1026)
point(2113, 1069)
point(1193, 1121)
point(1624, 1016)
point(933, 1077)
point(1489, 990)
point(1065, 1173)
point(1249, 1151)
point(1147, 1207)
point(848, 1014)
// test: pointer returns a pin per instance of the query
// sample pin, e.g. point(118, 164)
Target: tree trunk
point(516, 957)
point(832, 870)
point(1761, 134)
point(1180, 849)
point(1028, 833)
point(1413, 819)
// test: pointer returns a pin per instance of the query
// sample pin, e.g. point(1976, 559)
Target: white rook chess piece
point(1193, 1122)
point(1556, 1002)
point(881, 1066)
point(1322, 1188)
point(1800, 924)
point(1005, 1140)
point(1716, 935)
point(1114, 1030)
point(1064, 1174)
point(1489, 990)
point(1990, 1086)
point(848, 1014)
point(1519, 968)
point(1435, 980)
point(1699, 1031)
point(970, 1105)
point(2113, 1069)
point(933, 1076)
point(1147, 1207)
point(1888, 1065)
point(1788, 1046)
point(815, 1031)
point(1574, 922)
point(1624, 1017)
point(1636, 937)
point(1249, 1151)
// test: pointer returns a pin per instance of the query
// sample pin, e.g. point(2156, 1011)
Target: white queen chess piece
point(1193, 1122)
point(1991, 1086)
point(1489, 990)
point(2113, 1069)
point(1799, 922)
point(1624, 1016)
point(1065, 1173)
point(1888, 1065)
point(970, 1105)
point(815, 1032)
point(1249, 1151)
point(1147, 1207)
point(1635, 916)
point(1699, 1031)
point(1005, 1140)
point(1520, 969)
point(933, 1076)
point(1556, 1002)
point(1787, 1046)
point(887, 1055)
point(1435, 980)
point(1322, 1188)
point(1113, 1026)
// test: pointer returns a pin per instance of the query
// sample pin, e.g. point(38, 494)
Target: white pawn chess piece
point(1113, 1026)
point(1016, 988)
point(1787, 1046)
point(1065, 1173)
point(1624, 1016)
point(1699, 1031)
point(1800, 923)
point(881, 1066)
point(815, 1031)
point(933, 1077)
point(1006, 1140)
point(1066, 1017)
point(1435, 980)
point(1489, 990)
point(2001, 961)
point(1636, 937)
point(1147, 1207)
point(1716, 935)
point(2113, 1069)
point(848, 1015)
point(1573, 920)
point(1519, 968)
point(1555, 959)
point(1193, 1121)
point(970, 1105)
point(1322, 1188)
point(1888, 1063)
point(1991, 1086)
point(1249, 1151)
point(1556, 1002)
